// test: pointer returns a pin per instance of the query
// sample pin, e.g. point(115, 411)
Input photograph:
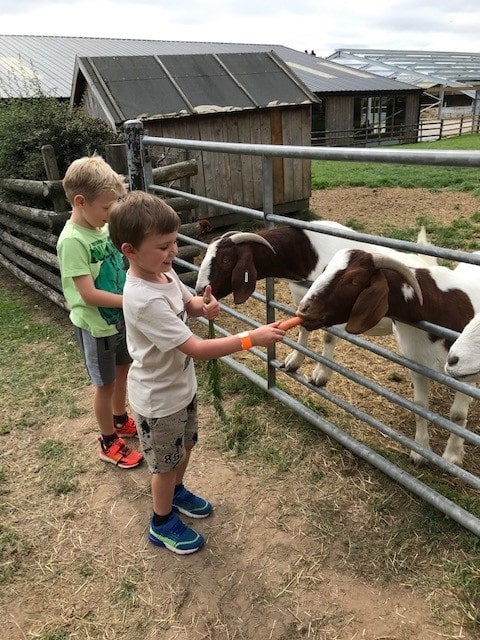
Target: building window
point(379, 117)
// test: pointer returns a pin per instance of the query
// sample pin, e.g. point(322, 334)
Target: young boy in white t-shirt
point(161, 382)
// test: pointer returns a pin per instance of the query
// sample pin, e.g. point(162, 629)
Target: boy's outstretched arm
point(263, 336)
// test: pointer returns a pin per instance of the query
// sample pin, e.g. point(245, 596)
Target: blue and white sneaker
point(191, 505)
point(175, 536)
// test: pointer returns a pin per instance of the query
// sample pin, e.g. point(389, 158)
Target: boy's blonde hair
point(138, 215)
point(90, 177)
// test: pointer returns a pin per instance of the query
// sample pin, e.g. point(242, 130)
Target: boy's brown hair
point(90, 177)
point(138, 215)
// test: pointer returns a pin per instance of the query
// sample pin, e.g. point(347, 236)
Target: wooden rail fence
point(28, 234)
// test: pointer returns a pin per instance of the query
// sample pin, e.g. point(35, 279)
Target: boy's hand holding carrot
point(271, 333)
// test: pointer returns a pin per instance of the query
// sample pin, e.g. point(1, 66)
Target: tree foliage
point(26, 124)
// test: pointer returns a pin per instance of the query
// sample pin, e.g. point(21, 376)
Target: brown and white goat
point(358, 288)
point(235, 262)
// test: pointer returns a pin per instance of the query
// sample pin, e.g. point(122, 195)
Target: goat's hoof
point(454, 459)
point(292, 362)
point(319, 381)
point(290, 367)
point(417, 459)
point(285, 367)
point(320, 377)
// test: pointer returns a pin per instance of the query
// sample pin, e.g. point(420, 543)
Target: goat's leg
point(420, 397)
point(322, 374)
point(458, 413)
point(294, 359)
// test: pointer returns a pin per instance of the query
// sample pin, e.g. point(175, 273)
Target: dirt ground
point(397, 207)
point(263, 574)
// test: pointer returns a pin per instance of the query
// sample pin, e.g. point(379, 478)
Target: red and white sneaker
point(120, 454)
point(128, 429)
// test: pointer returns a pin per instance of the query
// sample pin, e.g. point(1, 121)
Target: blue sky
point(442, 25)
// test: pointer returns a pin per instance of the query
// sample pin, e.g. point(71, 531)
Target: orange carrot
point(290, 323)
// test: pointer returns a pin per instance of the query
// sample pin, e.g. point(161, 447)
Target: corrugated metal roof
point(177, 85)
point(52, 59)
point(425, 69)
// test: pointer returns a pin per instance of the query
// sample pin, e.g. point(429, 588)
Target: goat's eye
point(354, 282)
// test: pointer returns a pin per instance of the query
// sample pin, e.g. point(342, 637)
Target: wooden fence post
point(476, 112)
point(116, 156)
point(51, 169)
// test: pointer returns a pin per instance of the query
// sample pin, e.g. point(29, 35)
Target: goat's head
point(463, 360)
point(354, 290)
point(229, 266)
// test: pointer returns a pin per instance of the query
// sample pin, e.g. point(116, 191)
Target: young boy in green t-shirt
point(93, 275)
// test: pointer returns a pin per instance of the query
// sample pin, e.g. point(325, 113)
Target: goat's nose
point(452, 360)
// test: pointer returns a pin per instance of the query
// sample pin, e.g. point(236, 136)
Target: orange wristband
point(245, 340)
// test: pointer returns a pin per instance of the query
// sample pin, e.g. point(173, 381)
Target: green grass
point(47, 371)
point(328, 174)
point(468, 142)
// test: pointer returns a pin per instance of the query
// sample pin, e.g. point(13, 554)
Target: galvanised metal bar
point(405, 441)
point(390, 156)
point(408, 443)
point(393, 243)
point(400, 245)
point(396, 398)
point(134, 145)
point(225, 206)
point(267, 174)
point(443, 378)
point(429, 495)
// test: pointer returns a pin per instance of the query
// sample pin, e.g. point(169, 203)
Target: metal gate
point(140, 177)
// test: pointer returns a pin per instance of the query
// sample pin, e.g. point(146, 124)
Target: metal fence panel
point(138, 144)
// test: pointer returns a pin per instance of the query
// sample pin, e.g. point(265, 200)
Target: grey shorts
point(102, 355)
point(163, 440)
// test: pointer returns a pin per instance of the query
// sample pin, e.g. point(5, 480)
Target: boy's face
point(153, 256)
point(93, 214)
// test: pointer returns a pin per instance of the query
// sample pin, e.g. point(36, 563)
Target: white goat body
point(293, 254)
point(450, 299)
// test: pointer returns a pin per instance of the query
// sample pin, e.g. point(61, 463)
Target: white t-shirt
point(161, 380)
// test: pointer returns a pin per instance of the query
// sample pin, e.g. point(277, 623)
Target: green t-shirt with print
point(83, 252)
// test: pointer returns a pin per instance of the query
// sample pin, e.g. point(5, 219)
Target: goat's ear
point(244, 277)
point(370, 306)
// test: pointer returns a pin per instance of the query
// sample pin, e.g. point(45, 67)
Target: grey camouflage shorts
point(163, 440)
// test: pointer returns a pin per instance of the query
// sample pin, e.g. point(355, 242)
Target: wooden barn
point(229, 97)
point(355, 106)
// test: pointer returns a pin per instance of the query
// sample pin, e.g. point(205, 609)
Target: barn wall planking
point(338, 119)
point(238, 178)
